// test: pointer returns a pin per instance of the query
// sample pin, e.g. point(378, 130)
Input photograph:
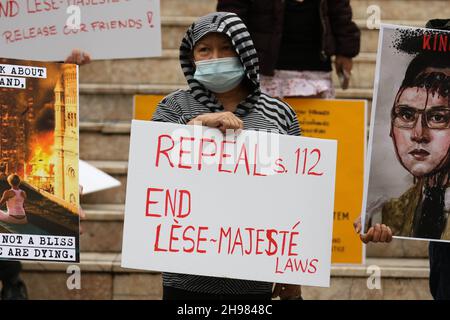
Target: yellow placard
point(145, 106)
point(342, 120)
point(345, 121)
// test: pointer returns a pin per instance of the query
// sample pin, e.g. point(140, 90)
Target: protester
point(295, 40)
point(221, 67)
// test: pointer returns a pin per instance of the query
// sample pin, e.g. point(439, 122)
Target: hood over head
point(232, 26)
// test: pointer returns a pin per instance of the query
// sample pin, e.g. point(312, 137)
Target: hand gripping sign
point(255, 206)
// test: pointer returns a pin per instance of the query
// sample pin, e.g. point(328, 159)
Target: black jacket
point(264, 19)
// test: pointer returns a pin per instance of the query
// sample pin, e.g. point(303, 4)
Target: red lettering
point(165, 151)
point(313, 266)
point(301, 266)
point(149, 202)
point(225, 234)
point(180, 165)
point(8, 35)
point(292, 244)
point(224, 155)
point(238, 242)
point(186, 238)
point(180, 206)
point(245, 158)
point(443, 43)
point(9, 9)
point(270, 251)
point(276, 267)
point(258, 240)
point(282, 169)
point(172, 238)
point(200, 239)
point(426, 42)
point(201, 154)
point(255, 173)
point(156, 247)
point(250, 233)
point(284, 233)
point(170, 202)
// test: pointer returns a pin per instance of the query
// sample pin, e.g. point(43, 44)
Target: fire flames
point(40, 166)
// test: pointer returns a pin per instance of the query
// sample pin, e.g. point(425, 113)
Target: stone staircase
point(106, 92)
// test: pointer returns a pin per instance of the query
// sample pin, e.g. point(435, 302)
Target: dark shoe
point(14, 291)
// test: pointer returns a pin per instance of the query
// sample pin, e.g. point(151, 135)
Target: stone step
point(389, 9)
point(104, 141)
point(102, 278)
point(173, 30)
point(403, 9)
point(167, 70)
point(114, 102)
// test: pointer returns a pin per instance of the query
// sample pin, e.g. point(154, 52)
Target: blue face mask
point(219, 75)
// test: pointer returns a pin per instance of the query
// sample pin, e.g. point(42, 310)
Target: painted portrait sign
point(408, 181)
point(39, 161)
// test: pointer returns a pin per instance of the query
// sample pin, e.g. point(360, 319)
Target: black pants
point(439, 253)
point(9, 270)
point(170, 293)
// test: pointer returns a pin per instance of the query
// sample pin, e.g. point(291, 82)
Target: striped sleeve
point(294, 128)
point(169, 113)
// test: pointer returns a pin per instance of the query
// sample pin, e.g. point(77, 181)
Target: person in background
point(295, 40)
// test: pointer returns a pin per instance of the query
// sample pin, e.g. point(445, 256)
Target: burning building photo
point(39, 153)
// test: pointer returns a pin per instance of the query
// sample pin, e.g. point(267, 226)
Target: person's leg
point(4, 217)
point(439, 254)
point(13, 286)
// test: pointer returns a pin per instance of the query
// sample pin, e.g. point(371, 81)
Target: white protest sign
point(49, 30)
point(256, 206)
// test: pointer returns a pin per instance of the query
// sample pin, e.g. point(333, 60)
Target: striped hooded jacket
point(258, 112)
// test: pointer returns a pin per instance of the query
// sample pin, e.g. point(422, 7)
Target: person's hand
point(287, 291)
point(78, 57)
point(344, 67)
point(81, 211)
point(377, 233)
point(221, 120)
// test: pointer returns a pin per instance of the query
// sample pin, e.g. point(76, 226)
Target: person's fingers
point(357, 225)
point(87, 58)
point(76, 56)
point(241, 123)
point(236, 124)
point(384, 233)
point(376, 233)
point(366, 238)
point(212, 121)
point(389, 237)
point(277, 290)
point(226, 123)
